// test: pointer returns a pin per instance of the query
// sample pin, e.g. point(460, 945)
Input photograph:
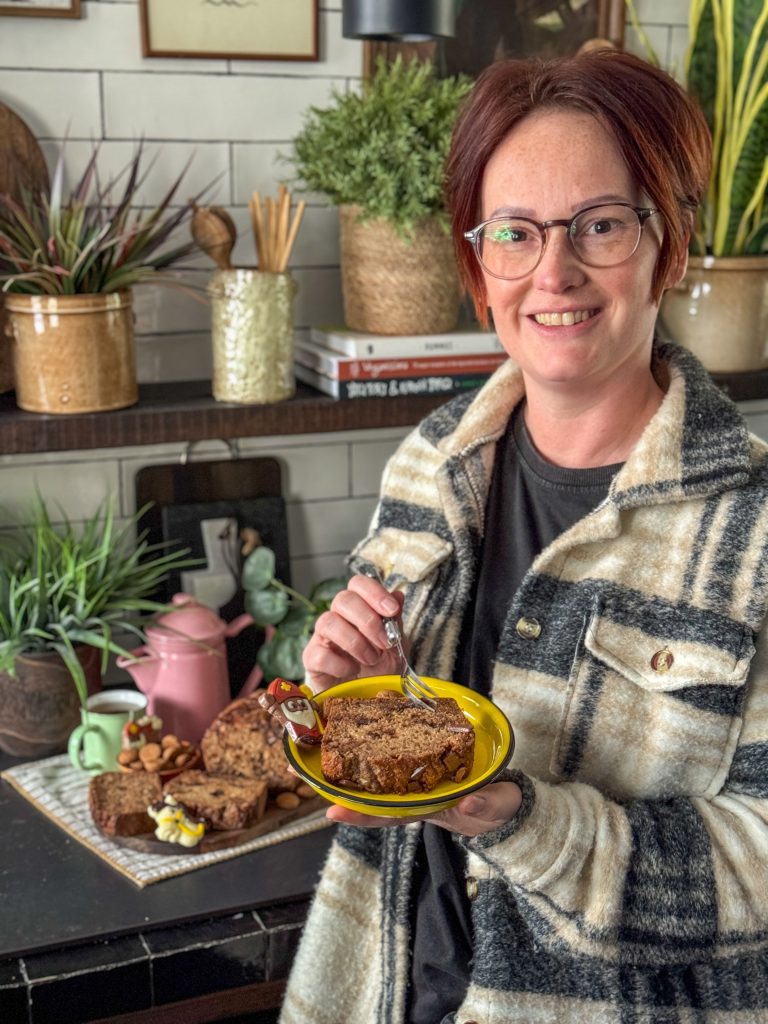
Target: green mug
point(96, 742)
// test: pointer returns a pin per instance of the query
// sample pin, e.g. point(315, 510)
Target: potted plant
point(67, 267)
point(379, 155)
point(65, 597)
point(288, 617)
point(720, 309)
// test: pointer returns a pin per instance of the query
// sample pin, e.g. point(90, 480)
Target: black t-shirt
point(530, 503)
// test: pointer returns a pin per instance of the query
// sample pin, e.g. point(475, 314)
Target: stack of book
point(352, 364)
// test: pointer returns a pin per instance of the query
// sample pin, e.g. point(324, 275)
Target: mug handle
point(75, 748)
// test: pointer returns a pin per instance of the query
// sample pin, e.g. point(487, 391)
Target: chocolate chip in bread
point(222, 801)
point(387, 744)
point(246, 740)
point(119, 802)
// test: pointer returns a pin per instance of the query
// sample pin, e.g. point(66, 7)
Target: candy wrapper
point(296, 712)
point(144, 730)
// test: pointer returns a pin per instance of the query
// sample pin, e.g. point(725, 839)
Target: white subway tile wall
point(85, 80)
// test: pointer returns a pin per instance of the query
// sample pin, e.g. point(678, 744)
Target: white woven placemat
point(60, 791)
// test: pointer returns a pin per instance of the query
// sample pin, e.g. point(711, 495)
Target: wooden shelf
point(186, 411)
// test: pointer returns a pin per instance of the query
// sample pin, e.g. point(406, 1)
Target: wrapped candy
point(295, 711)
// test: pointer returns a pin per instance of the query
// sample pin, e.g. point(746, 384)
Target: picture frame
point(209, 29)
point(487, 30)
point(41, 8)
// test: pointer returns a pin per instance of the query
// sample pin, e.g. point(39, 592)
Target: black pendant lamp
point(401, 20)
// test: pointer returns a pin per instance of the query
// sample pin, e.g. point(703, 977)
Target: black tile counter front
point(80, 943)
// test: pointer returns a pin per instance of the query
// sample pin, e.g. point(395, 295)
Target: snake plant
point(726, 69)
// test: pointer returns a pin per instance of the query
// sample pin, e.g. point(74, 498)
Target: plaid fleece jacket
point(632, 886)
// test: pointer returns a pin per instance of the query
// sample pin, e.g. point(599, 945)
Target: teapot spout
point(142, 666)
point(238, 625)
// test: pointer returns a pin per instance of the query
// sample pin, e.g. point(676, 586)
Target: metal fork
point(413, 686)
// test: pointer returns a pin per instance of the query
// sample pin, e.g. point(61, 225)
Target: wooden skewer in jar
point(274, 230)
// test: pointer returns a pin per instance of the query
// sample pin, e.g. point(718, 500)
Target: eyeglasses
point(601, 236)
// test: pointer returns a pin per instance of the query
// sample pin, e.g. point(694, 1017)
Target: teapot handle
point(148, 655)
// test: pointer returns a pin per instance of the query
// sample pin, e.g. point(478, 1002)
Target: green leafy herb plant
point(287, 615)
point(61, 587)
point(86, 243)
point(384, 148)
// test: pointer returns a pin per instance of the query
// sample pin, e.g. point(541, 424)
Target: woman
point(584, 539)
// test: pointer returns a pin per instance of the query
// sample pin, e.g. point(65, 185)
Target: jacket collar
point(696, 444)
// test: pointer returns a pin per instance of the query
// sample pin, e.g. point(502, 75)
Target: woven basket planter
point(73, 353)
point(6, 365)
point(392, 287)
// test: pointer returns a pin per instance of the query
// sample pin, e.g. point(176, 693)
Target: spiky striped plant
point(88, 243)
point(726, 69)
point(61, 586)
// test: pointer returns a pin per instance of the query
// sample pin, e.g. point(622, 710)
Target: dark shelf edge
point(186, 411)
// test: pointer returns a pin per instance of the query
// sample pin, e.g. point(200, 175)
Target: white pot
point(720, 312)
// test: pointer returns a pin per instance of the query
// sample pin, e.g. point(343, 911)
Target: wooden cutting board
point(22, 164)
point(274, 818)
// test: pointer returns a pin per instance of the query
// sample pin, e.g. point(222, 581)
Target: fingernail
point(390, 606)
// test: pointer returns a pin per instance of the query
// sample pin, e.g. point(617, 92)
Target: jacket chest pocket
point(653, 702)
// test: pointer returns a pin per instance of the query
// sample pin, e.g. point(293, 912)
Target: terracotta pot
point(73, 353)
point(39, 706)
point(720, 312)
point(392, 287)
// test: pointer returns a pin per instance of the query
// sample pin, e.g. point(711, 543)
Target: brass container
point(73, 353)
point(391, 286)
point(720, 312)
point(252, 336)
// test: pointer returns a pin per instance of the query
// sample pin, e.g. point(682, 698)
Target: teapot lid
point(189, 620)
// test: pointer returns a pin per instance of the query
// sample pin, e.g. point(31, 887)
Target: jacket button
point(662, 661)
point(528, 627)
point(471, 895)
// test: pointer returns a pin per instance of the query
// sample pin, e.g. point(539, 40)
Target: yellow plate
point(494, 744)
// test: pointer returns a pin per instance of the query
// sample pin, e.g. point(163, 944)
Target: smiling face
point(567, 325)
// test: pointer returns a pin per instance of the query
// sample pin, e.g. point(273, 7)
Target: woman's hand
point(349, 640)
point(482, 811)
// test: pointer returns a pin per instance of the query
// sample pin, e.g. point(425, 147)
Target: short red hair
point(659, 130)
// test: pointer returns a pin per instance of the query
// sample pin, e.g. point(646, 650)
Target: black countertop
point(55, 892)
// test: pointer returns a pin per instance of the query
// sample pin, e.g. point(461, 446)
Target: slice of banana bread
point(387, 744)
point(119, 802)
point(246, 740)
point(223, 801)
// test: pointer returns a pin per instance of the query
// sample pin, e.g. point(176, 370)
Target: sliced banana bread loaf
point(246, 740)
point(119, 802)
point(387, 744)
point(223, 801)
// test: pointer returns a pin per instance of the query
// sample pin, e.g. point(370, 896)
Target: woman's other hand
point(349, 640)
point(482, 811)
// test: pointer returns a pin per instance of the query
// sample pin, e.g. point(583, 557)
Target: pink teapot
point(183, 667)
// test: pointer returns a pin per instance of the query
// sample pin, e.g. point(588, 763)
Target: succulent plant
point(86, 243)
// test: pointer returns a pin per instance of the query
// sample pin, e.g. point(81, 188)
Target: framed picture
point(232, 30)
point(42, 8)
point(489, 30)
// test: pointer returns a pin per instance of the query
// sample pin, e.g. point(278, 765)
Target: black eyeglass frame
point(473, 237)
